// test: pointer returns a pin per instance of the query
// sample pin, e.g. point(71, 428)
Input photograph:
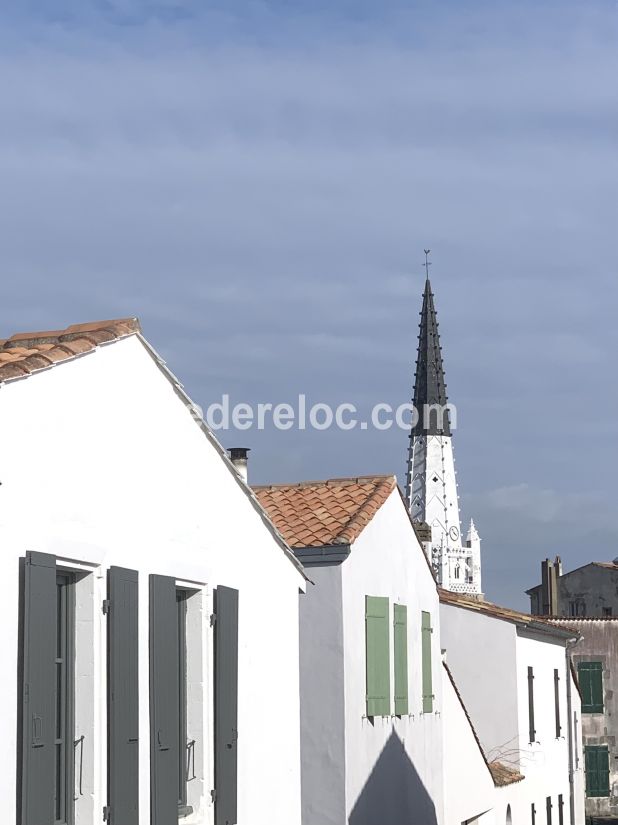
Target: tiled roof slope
point(504, 613)
point(29, 352)
point(323, 513)
point(503, 775)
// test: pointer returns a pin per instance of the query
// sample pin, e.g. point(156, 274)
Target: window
point(591, 683)
point(64, 727)
point(426, 631)
point(548, 808)
point(560, 810)
point(377, 656)
point(400, 646)
point(597, 770)
point(531, 728)
point(557, 702)
point(607, 611)
point(577, 607)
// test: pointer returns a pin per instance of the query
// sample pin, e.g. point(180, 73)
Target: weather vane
point(427, 263)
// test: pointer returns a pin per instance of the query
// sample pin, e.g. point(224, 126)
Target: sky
point(257, 181)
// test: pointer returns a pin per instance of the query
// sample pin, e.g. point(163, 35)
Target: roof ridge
point(26, 353)
point(342, 481)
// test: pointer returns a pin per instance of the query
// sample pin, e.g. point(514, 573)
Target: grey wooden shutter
point(123, 697)
point(39, 690)
point(164, 701)
point(531, 727)
point(226, 705)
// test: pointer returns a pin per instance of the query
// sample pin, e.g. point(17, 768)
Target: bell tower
point(431, 483)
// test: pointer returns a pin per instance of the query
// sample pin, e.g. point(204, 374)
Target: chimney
point(238, 457)
point(550, 572)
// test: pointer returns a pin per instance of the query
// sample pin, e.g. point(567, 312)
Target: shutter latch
point(106, 813)
point(213, 622)
point(106, 606)
point(213, 795)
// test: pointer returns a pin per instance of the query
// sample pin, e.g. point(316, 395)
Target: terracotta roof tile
point(28, 352)
point(322, 513)
point(503, 775)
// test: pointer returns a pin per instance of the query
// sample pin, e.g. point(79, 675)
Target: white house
point(375, 697)
point(150, 618)
point(515, 675)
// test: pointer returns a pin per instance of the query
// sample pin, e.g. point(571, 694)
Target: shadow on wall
point(394, 794)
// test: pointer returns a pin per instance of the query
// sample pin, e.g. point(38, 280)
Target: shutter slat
point(377, 655)
point(39, 689)
point(226, 706)
point(123, 697)
point(164, 701)
point(426, 633)
point(400, 645)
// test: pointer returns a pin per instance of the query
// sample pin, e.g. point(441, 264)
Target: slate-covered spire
point(429, 386)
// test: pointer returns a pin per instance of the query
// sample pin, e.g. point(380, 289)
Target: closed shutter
point(557, 703)
point(123, 697)
point(531, 724)
point(39, 690)
point(378, 671)
point(426, 632)
point(597, 771)
point(164, 701)
point(591, 683)
point(400, 644)
point(226, 706)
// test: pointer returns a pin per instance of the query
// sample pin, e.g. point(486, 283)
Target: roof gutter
point(325, 555)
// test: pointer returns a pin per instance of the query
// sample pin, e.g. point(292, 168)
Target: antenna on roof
point(427, 263)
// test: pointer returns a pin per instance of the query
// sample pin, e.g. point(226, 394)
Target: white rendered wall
point(393, 765)
point(101, 462)
point(468, 786)
point(545, 763)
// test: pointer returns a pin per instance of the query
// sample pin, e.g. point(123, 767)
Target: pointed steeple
point(429, 386)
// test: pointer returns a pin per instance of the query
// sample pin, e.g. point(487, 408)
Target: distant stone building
point(596, 658)
point(588, 591)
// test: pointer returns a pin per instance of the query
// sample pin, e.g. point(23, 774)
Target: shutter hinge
point(213, 622)
point(106, 606)
point(106, 813)
point(213, 795)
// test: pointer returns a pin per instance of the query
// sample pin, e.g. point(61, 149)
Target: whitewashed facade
point(416, 765)
point(104, 463)
point(515, 678)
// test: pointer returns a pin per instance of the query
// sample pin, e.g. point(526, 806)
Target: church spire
point(431, 482)
point(429, 386)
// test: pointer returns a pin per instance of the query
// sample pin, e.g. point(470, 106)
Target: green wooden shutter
point(597, 770)
point(400, 644)
point(377, 656)
point(591, 683)
point(426, 632)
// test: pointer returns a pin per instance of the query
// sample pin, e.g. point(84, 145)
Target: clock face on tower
point(454, 533)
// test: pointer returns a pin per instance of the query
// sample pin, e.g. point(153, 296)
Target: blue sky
point(256, 181)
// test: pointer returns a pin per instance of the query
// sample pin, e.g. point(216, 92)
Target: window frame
point(182, 595)
point(64, 807)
